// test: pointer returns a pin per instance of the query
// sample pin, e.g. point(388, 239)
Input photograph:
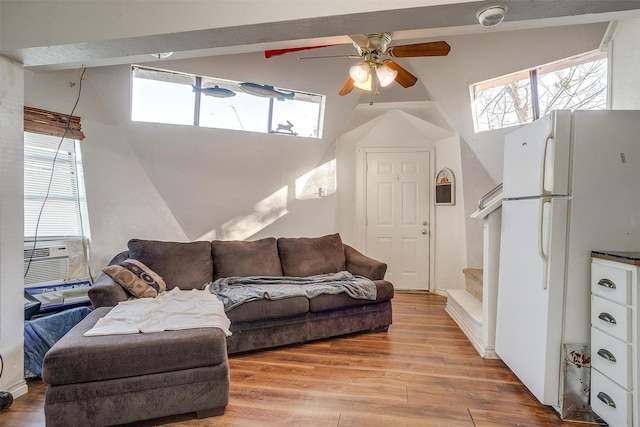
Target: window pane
point(170, 97)
point(299, 116)
point(502, 105)
point(579, 87)
point(162, 97)
point(238, 112)
point(60, 216)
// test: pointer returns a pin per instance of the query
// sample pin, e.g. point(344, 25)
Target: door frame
point(361, 198)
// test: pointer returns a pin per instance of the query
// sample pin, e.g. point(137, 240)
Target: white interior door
point(397, 215)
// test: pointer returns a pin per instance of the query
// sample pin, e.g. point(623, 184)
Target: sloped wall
point(407, 125)
point(122, 201)
point(171, 182)
point(480, 57)
point(625, 61)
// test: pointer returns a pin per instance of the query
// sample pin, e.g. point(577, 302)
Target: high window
point(578, 83)
point(177, 98)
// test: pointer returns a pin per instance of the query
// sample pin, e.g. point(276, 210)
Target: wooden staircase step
point(469, 305)
point(473, 280)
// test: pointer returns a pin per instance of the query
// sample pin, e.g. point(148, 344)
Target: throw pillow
point(239, 258)
point(308, 256)
point(182, 265)
point(137, 278)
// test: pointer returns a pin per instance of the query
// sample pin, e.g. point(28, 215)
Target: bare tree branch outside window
point(575, 87)
point(583, 87)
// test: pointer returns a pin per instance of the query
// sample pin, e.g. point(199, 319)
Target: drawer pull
point(607, 283)
point(606, 399)
point(606, 354)
point(607, 318)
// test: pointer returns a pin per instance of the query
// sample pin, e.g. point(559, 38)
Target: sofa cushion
point(183, 265)
point(137, 278)
point(268, 309)
point(78, 359)
point(324, 302)
point(308, 256)
point(238, 258)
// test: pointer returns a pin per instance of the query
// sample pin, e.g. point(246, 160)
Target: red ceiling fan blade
point(276, 52)
point(404, 78)
point(347, 88)
point(440, 48)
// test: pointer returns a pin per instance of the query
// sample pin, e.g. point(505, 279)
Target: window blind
point(60, 217)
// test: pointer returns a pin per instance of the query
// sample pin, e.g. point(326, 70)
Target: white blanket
point(170, 311)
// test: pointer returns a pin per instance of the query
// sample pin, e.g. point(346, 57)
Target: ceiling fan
point(371, 50)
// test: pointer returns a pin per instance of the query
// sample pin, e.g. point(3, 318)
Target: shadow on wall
point(317, 183)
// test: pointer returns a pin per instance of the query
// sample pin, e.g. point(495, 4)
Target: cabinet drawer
point(611, 282)
point(611, 357)
point(610, 317)
point(610, 401)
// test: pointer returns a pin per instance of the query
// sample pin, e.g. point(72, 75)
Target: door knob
point(424, 231)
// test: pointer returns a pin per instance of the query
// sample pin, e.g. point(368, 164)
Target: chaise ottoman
point(117, 379)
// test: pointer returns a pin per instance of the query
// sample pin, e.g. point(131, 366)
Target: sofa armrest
point(361, 265)
point(105, 292)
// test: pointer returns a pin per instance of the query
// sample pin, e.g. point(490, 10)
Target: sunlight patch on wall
point(318, 182)
point(209, 235)
point(265, 213)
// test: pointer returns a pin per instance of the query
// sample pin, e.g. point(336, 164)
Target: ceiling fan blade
point(275, 52)
point(331, 56)
point(347, 88)
point(404, 78)
point(361, 40)
point(440, 48)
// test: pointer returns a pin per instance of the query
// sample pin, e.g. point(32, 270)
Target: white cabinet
point(615, 333)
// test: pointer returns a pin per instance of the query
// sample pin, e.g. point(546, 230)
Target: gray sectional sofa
point(115, 379)
point(265, 323)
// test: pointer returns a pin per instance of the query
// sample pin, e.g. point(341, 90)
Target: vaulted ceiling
point(33, 32)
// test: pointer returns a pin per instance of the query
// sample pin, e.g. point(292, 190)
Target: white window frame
point(54, 194)
point(532, 76)
point(267, 124)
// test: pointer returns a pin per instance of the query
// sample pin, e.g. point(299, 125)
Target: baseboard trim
point(474, 339)
point(18, 389)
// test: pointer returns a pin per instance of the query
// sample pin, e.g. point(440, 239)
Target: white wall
point(11, 226)
point(625, 62)
point(479, 57)
point(406, 125)
point(184, 183)
point(171, 182)
point(122, 201)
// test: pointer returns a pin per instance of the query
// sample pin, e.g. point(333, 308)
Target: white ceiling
point(422, 22)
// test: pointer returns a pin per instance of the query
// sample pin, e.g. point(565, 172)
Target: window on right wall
point(578, 83)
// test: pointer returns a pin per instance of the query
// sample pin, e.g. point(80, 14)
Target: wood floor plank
point(422, 372)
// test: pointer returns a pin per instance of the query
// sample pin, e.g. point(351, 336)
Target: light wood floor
point(422, 372)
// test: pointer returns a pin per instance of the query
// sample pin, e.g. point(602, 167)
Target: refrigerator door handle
point(548, 161)
point(543, 236)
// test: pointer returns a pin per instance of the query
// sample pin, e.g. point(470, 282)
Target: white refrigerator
point(571, 185)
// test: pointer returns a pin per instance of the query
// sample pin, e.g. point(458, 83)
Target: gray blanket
point(234, 291)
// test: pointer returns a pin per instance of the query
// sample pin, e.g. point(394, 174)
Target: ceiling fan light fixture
point(386, 75)
point(491, 15)
point(360, 73)
point(366, 85)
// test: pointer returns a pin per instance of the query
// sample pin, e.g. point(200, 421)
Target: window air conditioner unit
point(47, 263)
